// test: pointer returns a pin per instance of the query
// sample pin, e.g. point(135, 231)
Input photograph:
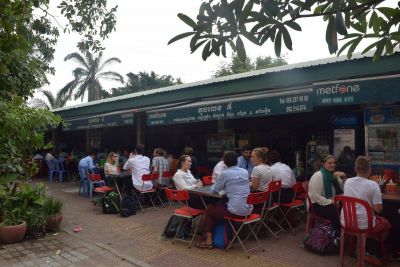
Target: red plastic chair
point(249, 220)
point(295, 204)
point(350, 227)
point(312, 217)
point(153, 191)
point(272, 207)
point(97, 185)
point(186, 213)
point(207, 180)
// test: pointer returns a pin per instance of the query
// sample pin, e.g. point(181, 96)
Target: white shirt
point(364, 189)
point(284, 173)
point(217, 171)
point(184, 180)
point(264, 175)
point(139, 165)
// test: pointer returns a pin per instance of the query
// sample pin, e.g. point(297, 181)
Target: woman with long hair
point(110, 167)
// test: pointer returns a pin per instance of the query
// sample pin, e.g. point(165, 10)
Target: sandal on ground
point(204, 245)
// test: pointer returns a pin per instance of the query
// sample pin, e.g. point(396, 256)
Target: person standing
point(139, 165)
point(244, 161)
point(87, 162)
point(363, 188)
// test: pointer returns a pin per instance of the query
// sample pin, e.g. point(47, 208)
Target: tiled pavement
point(110, 240)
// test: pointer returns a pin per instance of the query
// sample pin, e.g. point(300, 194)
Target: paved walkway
point(111, 240)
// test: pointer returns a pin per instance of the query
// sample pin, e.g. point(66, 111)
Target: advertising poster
point(342, 138)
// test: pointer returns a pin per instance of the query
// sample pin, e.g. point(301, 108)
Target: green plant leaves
point(241, 51)
point(180, 36)
point(187, 20)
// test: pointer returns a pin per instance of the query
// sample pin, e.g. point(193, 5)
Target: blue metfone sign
point(286, 104)
point(357, 91)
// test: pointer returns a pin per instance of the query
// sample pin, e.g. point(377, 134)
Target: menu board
point(383, 143)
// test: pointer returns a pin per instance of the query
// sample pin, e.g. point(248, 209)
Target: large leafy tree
point(87, 77)
point(375, 23)
point(29, 32)
point(236, 65)
point(144, 81)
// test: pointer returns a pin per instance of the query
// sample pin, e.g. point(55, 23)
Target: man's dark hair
point(92, 153)
point(273, 157)
point(246, 147)
point(139, 149)
point(230, 158)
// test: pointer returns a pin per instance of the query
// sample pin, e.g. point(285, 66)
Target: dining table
point(391, 211)
point(122, 178)
point(205, 191)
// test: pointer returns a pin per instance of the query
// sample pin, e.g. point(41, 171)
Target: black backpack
point(173, 226)
point(110, 203)
point(127, 206)
point(323, 239)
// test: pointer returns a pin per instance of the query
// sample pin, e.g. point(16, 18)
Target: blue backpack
point(222, 234)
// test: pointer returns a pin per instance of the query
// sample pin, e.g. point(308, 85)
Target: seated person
point(262, 174)
point(184, 180)
point(139, 165)
point(235, 182)
point(323, 186)
point(110, 167)
point(363, 188)
point(160, 165)
point(284, 173)
point(219, 167)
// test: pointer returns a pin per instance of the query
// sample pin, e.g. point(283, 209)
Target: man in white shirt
point(139, 165)
point(219, 167)
point(363, 188)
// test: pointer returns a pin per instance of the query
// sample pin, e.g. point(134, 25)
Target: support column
point(141, 128)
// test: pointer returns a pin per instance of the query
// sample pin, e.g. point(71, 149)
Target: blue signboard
point(102, 121)
point(357, 92)
point(378, 115)
point(287, 104)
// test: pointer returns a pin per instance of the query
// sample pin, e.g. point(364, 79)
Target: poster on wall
point(217, 143)
point(342, 138)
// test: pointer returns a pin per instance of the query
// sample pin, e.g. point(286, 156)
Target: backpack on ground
point(127, 206)
point(174, 226)
point(110, 203)
point(222, 234)
point(323, 239)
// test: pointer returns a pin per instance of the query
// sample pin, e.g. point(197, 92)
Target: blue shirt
point(235, 182)
point(245, 164)
point(87, 163)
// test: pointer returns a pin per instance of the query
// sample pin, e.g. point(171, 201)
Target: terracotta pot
point(13, 233)
point(53, 222)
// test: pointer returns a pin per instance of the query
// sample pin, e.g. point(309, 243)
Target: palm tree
point(53, 102)
point(87, 77)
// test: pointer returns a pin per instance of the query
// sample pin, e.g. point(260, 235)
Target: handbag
point(323, 239)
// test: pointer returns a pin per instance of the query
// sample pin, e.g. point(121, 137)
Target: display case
point(382, 140)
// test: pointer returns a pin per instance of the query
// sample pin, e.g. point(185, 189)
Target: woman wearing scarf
point(323, 186)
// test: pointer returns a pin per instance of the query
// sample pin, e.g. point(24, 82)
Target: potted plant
point(12, 226)
point(52, 208)
point(36, 220)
